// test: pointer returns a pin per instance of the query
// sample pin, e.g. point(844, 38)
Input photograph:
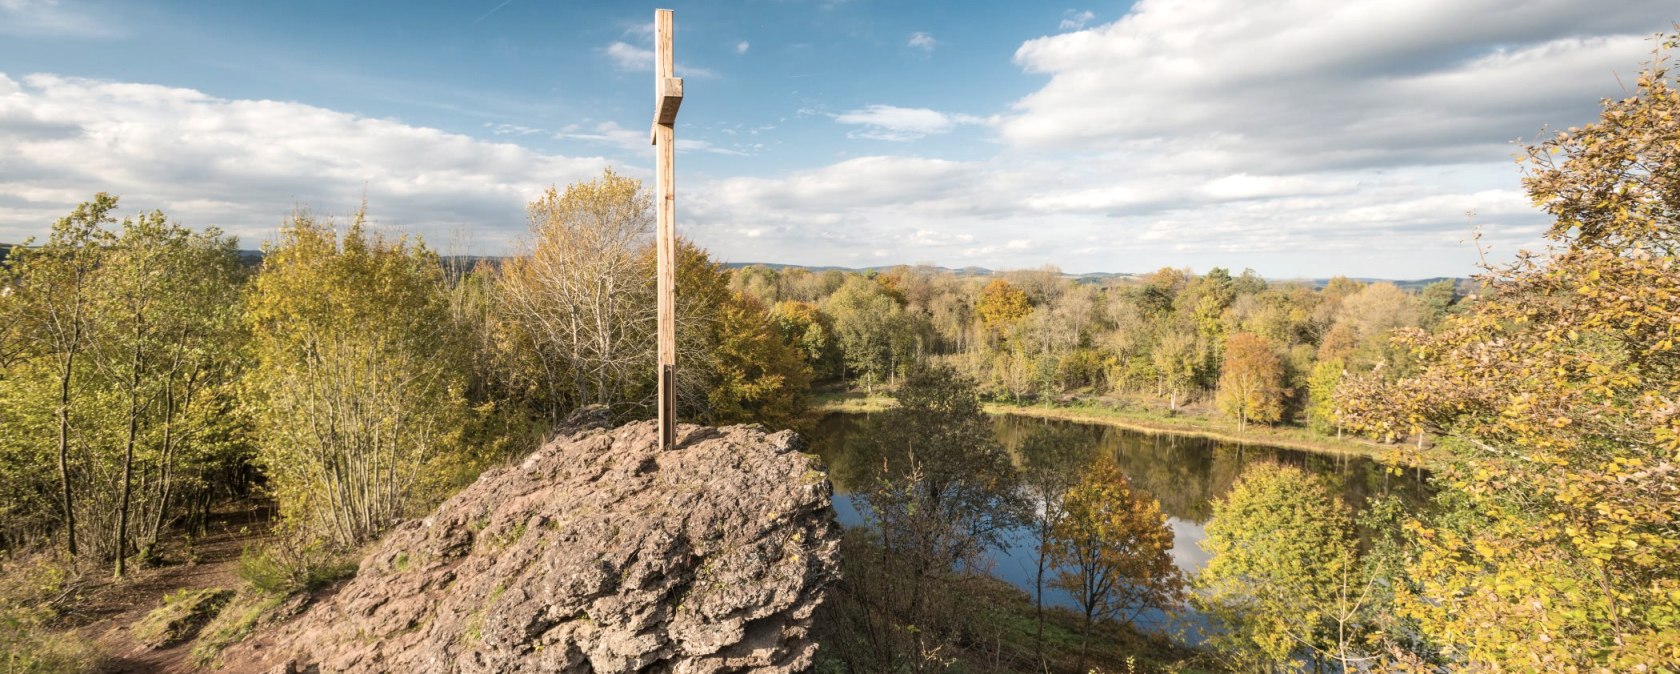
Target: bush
point(30, 589)
point(287, 566)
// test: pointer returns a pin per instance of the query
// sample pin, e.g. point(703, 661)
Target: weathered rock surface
point(599, 553)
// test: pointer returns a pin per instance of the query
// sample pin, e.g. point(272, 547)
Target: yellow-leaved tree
point(1251, 381)
point(1114, 549)
point(359, 394)
point(1558, 394)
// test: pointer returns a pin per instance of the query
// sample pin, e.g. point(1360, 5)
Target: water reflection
point(1184, 473)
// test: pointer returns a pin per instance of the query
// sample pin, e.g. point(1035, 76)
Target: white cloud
point(1075, 20)
point(631, 58)
point(1315, 138)
point(1111, 216)
point(243, 164)
point(922, 41)
point(742, 47)
point(1325, 83)
point(887, 122)
point(631, 140)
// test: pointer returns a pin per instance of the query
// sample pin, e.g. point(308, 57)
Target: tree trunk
point(128, 453)
point(1084, 641)
point(1038, 591)
point(64, 449)
point(166, 468)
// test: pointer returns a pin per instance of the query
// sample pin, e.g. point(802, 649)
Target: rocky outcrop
point(599, 553)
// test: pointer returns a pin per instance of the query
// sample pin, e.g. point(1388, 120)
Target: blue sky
point(1300, 138)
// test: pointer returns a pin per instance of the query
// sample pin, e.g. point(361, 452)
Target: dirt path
point(111, 606)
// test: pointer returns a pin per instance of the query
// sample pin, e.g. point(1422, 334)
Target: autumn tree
point(1114, 547)
point(1282, 562)
point(577, 305)
point(1002, 305)
point(738, 366)
point(120, 377)
point(1251, 382)
point(1323, 414)
point(1557, 393)
point(1175, 358)
point(812, 332)
point(1052, 459)
point(360, 403)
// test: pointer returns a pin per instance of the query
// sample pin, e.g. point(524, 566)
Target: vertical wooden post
point(667, 97)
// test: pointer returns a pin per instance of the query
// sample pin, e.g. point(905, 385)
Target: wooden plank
point(665, 206)
point(670, 99)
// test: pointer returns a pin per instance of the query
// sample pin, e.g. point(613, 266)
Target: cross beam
point(667, 98)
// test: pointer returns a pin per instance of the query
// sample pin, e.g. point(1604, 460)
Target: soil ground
point(110, 606)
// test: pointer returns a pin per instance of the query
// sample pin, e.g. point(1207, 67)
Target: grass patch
point(32, 588)
point(235, 621)
point(180, 617)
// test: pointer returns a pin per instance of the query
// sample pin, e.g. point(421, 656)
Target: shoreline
point(1143, 423)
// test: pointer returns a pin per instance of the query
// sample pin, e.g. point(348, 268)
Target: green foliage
point(33, 589)
point(1283, 564)
point(118, 379)
point(357, 403)
point(868, 324)
point(812, 332)
point(286, 565)
point(1322, 415)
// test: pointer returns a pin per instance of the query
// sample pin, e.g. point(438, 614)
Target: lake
point(1185, 473)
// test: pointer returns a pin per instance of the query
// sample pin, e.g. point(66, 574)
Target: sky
point(1300, 138)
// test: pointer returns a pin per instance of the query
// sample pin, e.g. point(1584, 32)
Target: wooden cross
point(667, 97)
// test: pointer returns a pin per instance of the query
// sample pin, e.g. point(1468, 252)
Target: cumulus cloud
point(892, 123)
point(922, 41)
point(244, 164)
point(1307, 138)
point(1318, 84)
point(742, 47)
point(1013, 212)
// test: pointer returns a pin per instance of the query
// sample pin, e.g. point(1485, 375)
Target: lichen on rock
point(598, 553)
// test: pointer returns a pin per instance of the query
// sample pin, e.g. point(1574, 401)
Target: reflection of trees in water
point(1185, 473)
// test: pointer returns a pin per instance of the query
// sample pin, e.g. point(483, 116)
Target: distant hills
point(253, 258)
point(1089, 277)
